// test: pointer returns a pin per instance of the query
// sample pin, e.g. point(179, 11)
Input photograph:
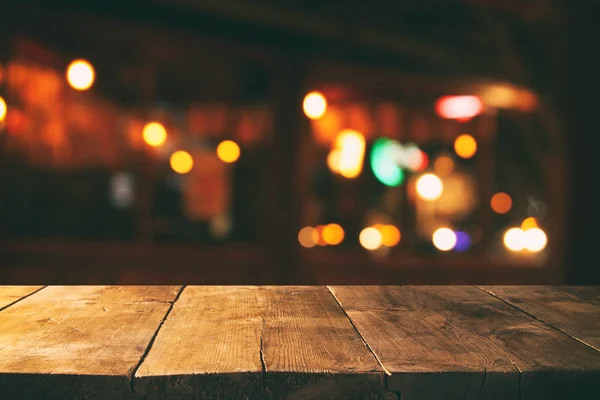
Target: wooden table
point(344, 342)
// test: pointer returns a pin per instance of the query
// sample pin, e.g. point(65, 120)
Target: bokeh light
point(80, 74)
point(352, 152)
point(3, 109)
point(314, 105)
point(417, 159)
point(443, 165)
point(514, 239)
point(228, 151)
point(182, 162)
point(390, 235)
point(535, 240)
point(154, 134)
point(429, 187)
point(459, 107)
point(463, 241)
point(383, 164)
point(501, 203)
point(465, 146)
point(444, 239)
point(333, 234)
point(308, 237)
point(370, 238)
point(333, 160)
point(529, 223)
point(320, 239)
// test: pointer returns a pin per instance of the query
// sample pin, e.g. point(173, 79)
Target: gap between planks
point(387, 373)
point(22, 298)
point(536, 318)
point(151, 342)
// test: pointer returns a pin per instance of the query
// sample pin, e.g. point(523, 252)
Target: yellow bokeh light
point(501, 203)
point(181, 162)
point(154, 134)
point(351, 146)
point(514, 239)
point(444, 239)
point(333, 160)
point(333, 234)
point(429, 187)
point(3, 109)
point(228, 151)
point(370, 238)
point(308, 237)
point(535, 240)
point(390, 235)
point(443, 165)
point(314, 105)
point(529, 223)
point(80, 74)
point(465, 146)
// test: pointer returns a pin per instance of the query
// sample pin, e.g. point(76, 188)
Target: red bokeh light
point(459, 107)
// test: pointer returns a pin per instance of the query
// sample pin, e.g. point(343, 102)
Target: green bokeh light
point(383, 165)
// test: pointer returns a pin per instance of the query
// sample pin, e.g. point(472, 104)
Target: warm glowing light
point(333, 234)
point(459, 107)
point(529, 223)
point(501, 203)
point(416, 159)
point(333, 160)
point(370, 238)
point(535, 240)
point(320, 239)
point(352, 152)
point(228, 151)
point(444, 239)
point(443, 165)
point(181, 162)
point(390, 235)
point(308, 237)
point(430, 187)
point(154, 134)
point(80, 74)
point(314, 105)
point(465, 146)
point(3, 109)
point(514, 239)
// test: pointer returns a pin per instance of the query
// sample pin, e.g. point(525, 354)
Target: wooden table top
point(305, 342)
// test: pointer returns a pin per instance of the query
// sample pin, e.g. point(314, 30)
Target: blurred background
point(269, 142)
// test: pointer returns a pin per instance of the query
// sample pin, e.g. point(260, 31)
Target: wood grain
point(573, 310)
point(11, 294)
point(251, 342)
point(208, 348)
point(311, 349)
point(72, 342)
point(459, 342)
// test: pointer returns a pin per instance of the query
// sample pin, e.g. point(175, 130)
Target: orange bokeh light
point(333, 234)
point(501, 203)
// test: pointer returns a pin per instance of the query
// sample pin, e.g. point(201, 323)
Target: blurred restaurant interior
point(233, 142)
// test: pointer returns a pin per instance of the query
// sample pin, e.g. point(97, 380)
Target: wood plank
point(11, 294)
point(460, 342)
point(311, 350)
point(574, 310)
point(78, 341)
point(256, 342)
point(208, 348)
